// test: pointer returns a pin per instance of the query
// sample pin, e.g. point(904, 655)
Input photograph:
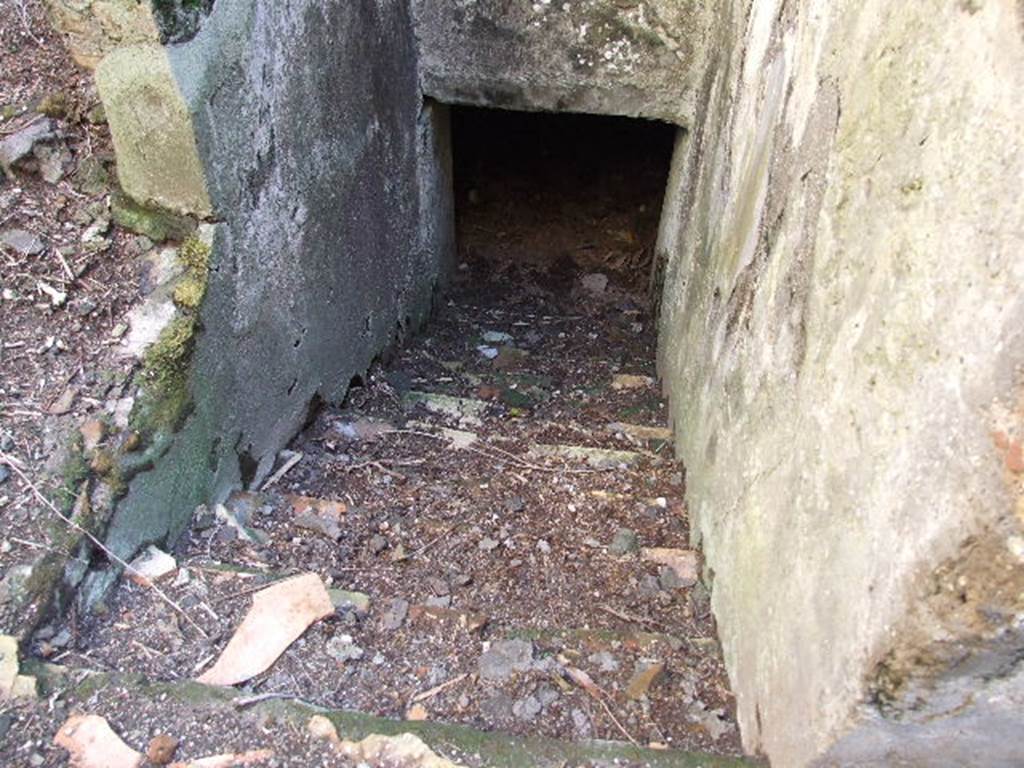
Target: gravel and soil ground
point(497, 558)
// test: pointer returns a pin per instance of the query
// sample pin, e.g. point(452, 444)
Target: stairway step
point(461, 744)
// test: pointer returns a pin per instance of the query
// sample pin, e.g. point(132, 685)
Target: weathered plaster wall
point(331, 183)
point(641, 58)
point(843, 339)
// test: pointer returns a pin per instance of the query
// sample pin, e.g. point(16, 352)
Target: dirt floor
point(494, 560)
point(63, 306)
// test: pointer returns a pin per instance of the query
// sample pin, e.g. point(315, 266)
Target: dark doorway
point(562, 193)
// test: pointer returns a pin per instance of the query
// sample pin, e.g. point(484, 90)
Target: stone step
point(463, 745)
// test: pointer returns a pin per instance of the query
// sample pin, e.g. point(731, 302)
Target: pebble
point(543, 546)
point(22, 242)
point(527, 708)
point(161, 749)
point(581, 724)
point(394, 616)
point(5, 474)
point(487, 544)
point(377, 544)
point(624, 542)
point(504, 658)
point(515, 504)
point(438, 586)
point(435, 601)
point(604, 661)
point(342, 648)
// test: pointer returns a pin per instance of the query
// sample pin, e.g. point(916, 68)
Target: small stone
point(643, 678)
point(624, 542)
point(394, 616)
point(581, 724)
point(668, 579)
point(463, 580)
point(504, 658)
point(543, 546)
point(19, 145)
point(439, 602)
point(438, 586)
point(93, 432)
point(342, 648)
point(152, 564)
point(64, 403)
point(417, 712)
point(345, 600)
point(515, 504)
point(82, 307)
point(489, 352)
point(595, 283)
point(377, 544)
point(604, 661)
point(398, 554)
point(684, 562)
point(22, 242)
point(327, 528)
point(161, 749)
point(5, 474)
point(487, 544)
point(527, 708)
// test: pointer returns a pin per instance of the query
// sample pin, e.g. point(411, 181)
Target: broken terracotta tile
point(684, 562)
point(629, 381)
point(92, 743)
point(239, 760)
point(405, 750)
point(278, 617)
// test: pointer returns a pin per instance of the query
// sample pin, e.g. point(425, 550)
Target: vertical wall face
point(331, 182)
point(843, 338)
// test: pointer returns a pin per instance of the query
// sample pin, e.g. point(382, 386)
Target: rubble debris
point(152, 564)
point(622, 381)
point(466, 411)
point(597, 458)
point(278, 616)
point(504, 658)
point(683, 562)
point(13, 684)
point(92, 743)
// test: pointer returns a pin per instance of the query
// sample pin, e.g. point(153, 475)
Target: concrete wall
point(640, 58)
point(330, 180)
point(843, 340)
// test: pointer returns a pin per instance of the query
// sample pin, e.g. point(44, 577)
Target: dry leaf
point(584, 681)
point(92, 743)
point(278, 617)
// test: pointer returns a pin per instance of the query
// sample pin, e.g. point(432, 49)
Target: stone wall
point(843, 339)
point(639, 58)
point(302, 133)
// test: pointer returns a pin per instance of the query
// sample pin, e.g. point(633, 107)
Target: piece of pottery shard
point(92, 743)
point(278, 617)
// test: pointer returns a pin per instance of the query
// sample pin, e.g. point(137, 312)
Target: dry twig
point(15, 466)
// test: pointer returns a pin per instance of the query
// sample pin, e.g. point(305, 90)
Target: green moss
point(73, 473)
point(194, 254)
point(155, 224)
point(165, 398)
